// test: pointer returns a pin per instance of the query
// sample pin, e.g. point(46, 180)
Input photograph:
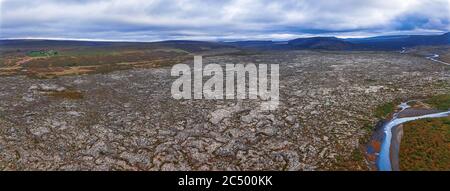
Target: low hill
point(325, 43)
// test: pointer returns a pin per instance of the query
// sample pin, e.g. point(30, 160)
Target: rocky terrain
point(127, 120)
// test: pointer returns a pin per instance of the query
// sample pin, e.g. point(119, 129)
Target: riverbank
point(397, 135)
point(383, 149)
point(435, 58)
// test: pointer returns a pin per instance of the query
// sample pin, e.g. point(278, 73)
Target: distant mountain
point(333, 43)
point(399, 41)
point(251, 43)
point(45, 43)
point(260, 45)
point(325, 43)
point(189, 46)
point(316, 43)
point(192, 46)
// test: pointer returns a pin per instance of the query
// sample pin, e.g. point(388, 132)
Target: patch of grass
point(67, 94)
point(103, 58)
point(446, 121)
point(383, 110)
point(370, 81)
point(88, 52)
point(356, 161)
point(357, 155)
point(441, 102)
point(368, 129)
point(425, 145)
point(42, 53)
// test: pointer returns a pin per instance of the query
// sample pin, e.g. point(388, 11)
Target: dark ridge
point(325, 43)
point(315, 43)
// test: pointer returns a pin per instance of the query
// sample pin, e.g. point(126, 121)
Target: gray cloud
point(149, 20)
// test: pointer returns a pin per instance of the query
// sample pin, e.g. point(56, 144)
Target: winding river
point(384, 162)
point(384, 158)
point(435, 57)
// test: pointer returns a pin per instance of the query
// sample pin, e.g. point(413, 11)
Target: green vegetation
point(90, 52)
point(356, 161)
point(101, 57)
point(90, 60)
point(426, 145)
point(370, 81)
point(357, 155)
point(42, 53)
point(368, 128)
point(44, 61)
point(383, 110)
point(441, 102)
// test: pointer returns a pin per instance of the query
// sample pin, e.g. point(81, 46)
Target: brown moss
point(67, 94)
point(426, 145)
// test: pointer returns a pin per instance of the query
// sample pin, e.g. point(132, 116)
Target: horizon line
point(150, 41)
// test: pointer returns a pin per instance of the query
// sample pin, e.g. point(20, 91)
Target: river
point(384, 158)
point(384, 162)
point(435, 57)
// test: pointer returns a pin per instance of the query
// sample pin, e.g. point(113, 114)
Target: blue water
point(384, 162)
point(435, 57)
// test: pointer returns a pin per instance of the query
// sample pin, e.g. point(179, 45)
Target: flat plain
point(111, 109)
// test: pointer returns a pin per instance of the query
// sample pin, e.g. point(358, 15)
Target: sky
point(219, 20)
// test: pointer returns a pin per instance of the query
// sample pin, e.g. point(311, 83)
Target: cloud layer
point(150, 20)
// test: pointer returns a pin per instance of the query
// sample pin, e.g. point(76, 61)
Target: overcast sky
point(152, 20)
